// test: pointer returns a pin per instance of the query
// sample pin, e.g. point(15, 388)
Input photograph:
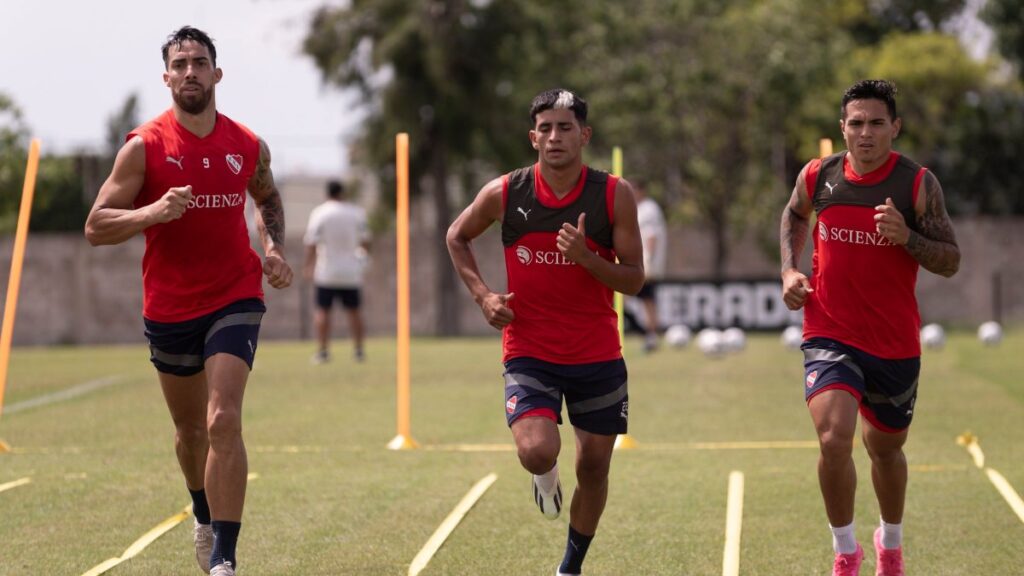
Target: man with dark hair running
point(562, 225)
point(879, 216)
point(181, 179)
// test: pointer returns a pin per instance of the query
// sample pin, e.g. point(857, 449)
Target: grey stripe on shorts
point(599, 403)
point(820, 354)
point(240, 318)
point(895, 400)
point(176, 359)
point(514, 379)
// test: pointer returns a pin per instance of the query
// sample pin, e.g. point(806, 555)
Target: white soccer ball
point(678, 336)
point(734, 339)
point(793, 337)
point(709, 341)
point(990, 333)
point(933, 336)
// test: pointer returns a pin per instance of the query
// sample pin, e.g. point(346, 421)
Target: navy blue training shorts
point(596, 394)
point(350, 297)
point(886, 389)
point(181, 348)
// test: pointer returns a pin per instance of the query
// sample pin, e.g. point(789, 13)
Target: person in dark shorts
point(880, 216)
point(181, 179)
point(337, 239)
point(562, 225)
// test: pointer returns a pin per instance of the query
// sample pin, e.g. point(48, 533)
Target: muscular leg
point(227, 465)
point(187, 398)
point(834, 413)
point(537, 442)
point(593, 459)
point(888, 470)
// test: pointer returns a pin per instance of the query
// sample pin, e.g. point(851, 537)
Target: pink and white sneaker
point(889, 562)
point(848, 564)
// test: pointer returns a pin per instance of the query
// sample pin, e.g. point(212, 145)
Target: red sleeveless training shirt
point(202, 261)
point(563, 314)
point(863, 284)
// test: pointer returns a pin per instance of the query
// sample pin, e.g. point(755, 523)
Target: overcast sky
point(70, 64)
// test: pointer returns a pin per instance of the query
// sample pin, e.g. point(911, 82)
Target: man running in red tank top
point(181, 179)
point(562, 225)
point(879, 216)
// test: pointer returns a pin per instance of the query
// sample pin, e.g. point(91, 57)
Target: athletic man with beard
point(181, 179)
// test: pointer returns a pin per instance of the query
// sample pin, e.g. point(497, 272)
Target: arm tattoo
point(794, 227)
point(793, 236)
point(934, 244)
point(268, 200)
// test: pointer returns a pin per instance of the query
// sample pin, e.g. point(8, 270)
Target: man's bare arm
point(796, 220)
point(113, 219)
point(268, 200)
point(935, 247)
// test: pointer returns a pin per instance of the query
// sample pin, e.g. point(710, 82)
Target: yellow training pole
point(14, 281)
point(824, 147)
point(403, 441)
point(622, 441)
point(619, 305)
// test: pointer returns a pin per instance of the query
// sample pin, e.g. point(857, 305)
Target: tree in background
point(446, 72)
point(13, 155)
point(718, 104)
point(1006, 17)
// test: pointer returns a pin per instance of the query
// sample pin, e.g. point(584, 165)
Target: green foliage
point(13, 155)
point(1007, 20)
point(717, 104)
point(59, 203)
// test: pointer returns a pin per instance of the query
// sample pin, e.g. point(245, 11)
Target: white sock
point(843, 540)
point(549, 479)
point(892, 535)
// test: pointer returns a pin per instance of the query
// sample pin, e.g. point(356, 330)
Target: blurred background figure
point(337, 239)
point(655, 240)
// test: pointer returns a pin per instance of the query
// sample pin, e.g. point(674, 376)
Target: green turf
point(331, 500)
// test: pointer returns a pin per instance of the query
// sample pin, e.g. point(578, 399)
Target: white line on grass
point(66, 394)
point(1005, 489)
point(449, 524)
point(140, 544)
point(14, 484)
point(1009, 494)
point(146, 539)
point(733, 525)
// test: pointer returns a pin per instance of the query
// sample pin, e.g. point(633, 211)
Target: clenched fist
point(171, 205)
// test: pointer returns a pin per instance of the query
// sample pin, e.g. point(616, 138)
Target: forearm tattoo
point(792, 237)
point(934, 244)
point(268, 199)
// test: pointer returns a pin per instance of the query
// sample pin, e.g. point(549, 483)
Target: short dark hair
point(184, 34)
point(871, 90)
point(558, 98)
point(335, 189)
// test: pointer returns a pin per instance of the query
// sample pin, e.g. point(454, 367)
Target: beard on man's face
point(193, 103)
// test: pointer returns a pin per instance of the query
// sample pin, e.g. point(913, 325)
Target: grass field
point(331, 500)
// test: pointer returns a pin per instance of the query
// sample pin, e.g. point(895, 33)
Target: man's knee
point(192, 433)
point(537, 454)
point(836, 446)
point(225, 427)
point(592, 469)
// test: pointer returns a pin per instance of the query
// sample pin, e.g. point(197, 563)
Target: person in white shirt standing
point(654, 235)
point(337, 239)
